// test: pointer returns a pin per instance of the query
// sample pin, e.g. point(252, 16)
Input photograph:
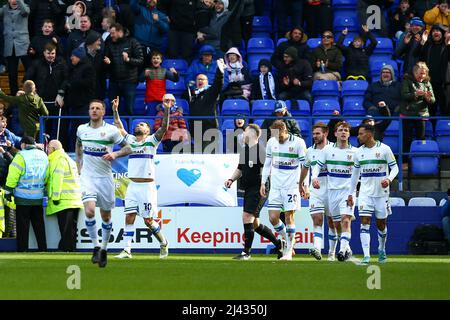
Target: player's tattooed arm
point(79, 154)
point(117, 122)
point(124, 151)
point(159, 134)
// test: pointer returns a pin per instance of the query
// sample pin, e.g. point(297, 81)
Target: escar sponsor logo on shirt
point(95, 149)
point(372, 170)
point(340, 170)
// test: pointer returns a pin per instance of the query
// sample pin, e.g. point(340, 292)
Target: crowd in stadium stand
point(321, 57)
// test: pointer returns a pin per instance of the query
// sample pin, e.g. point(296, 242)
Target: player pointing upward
point(372, 161)
point(94, 145)
point(285, 154)
point(141, 196)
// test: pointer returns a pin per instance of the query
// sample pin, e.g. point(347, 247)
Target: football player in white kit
point(318, 199)
point(285, 154)
point(338, 159)
point(372, 163)
point(95, 141)
point(141, 196)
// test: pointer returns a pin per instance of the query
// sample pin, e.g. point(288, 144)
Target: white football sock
point(290, 230)
point(156, 230)
point(332, 241)
point(128, 235)
point(281, 229)
point(382, 237)
point(318, 238)
point(365, 239)
point(91, 227)
point(345, 241)
point(106, 233)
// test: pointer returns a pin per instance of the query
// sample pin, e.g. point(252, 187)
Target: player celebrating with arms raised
point(372, 162)
point(141, 196)
point(94, 145)
point(285, 154)
point(339, 161)
point(318, 202)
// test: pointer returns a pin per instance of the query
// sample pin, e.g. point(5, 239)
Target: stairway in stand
point(4, 83)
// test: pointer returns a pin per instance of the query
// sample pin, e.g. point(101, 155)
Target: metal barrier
point(310, 119)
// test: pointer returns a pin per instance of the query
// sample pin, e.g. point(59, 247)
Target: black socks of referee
point(267, 233)
point(249, 234)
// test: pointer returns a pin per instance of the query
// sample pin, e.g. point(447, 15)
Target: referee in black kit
point(251, 162)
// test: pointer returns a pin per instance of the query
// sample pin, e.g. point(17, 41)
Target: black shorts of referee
point(253, 201)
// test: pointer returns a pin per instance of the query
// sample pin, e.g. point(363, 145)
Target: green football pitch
point(218, 277)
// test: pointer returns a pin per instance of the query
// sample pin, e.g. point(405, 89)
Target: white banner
point(196, 178)
point(185, 228)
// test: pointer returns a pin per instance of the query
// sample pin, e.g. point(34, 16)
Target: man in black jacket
point(94, 53)
point(50, 74)
point(297, 39)
point(123, 57)
point(78, 36)
point(294, 77)
point(203, 102)
point(182, 27)
point(79, 92)
point(435, 51)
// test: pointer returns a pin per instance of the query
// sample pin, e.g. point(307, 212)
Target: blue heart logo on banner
point(158, 186)
point(189, 177)
point(157, 162)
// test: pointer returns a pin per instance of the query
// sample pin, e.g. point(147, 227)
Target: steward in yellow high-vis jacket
point(64, 194)
point(27, 175)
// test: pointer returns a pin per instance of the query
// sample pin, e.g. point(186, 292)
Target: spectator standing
point(417, 96)
point(385, 92)
point(294, 78)
point(264, 85)
point(177, 131)
point(319, 17)
point(16, 38)
point(434, 51)
point(357, 55)
point(282, 113)
point(95, 55)
point(106, 25)
point(123, 57)
point(438, 15)
point(204, 13)
point(80, 90)
point(150, 27)
point(183, 27)
point(30, 164)
point(237, 82)
point(286, 8)
point(39, 41)
point(400, 16)
point(30, 106)
point(421, 6)
point(50, 74)
point(327, 59)
point(64, 194)
point(297, 39)
point(78, 36)
point(203, 102)
point(93, 8)
point(155, 78)
point(42, 10)
point(204, 65)
point(408, 44)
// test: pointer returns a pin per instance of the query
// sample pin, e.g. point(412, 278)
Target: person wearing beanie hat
point(95, 54)
point(281, 111)
point(205, 64)
point(296, 39)
point(434, 52)
point(91, 38)
point(264, 85)
point(437, 15)
point(79, 53)
point(408, 44)
point(294, 78)
point(356, 55)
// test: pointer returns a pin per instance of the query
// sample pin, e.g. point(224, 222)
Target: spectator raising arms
point(356, 55)
point(438, 15)
point(155, 78)
point(408, 43)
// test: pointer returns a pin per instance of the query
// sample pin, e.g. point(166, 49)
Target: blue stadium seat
point(303, 109)
point(140, 89)
point(353, 107)
point(259, 122)
point(353, 140)
point(392, 129)
point(176, 88)
point(313, 42)
point(344, 4)
point(325, 90)
point(263, 107)
point(429, 133)
point(111, 121)
point(384, 47)
point(304, 126)
point(392, 141)
point(140, 107)
point(151, 108)
point(135, 122)
point(180, 65)
point(346, 21)
point(281, 40)
point(324, 120)
point(184, 104)
point(376, 65)
point(424, 164)
point(325, 107)
point(443, 135)
point(232, 107)
point(354, 88)
point(260, 45)
point(262, 26)
point(227, 124)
